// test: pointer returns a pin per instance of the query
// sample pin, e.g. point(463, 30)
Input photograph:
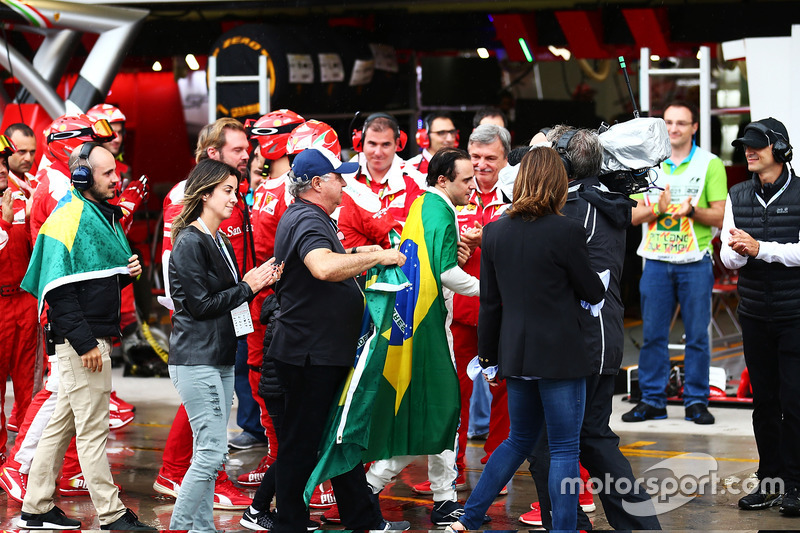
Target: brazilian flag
point(402, 396)
point(75, 243)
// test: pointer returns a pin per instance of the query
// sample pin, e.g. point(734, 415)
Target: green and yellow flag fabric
point(75, 243)
point(402, 396)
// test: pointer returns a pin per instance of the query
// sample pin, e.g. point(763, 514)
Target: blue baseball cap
point(318, 162)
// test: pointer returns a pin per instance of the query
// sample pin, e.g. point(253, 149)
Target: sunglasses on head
point(99, 131)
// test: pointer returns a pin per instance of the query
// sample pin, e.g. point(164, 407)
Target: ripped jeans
point(207, 394)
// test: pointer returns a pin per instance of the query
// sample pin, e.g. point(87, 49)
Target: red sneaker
point(14, 483)
point(167, 486)
point(503, 491)
point(585, 498)
point(75, 485)
point(254, 477)
point(331, 516)
point(11, 423)
point(228, 496)
point(118, 419)
point(425, 486)
point(321, 498)
point(532, 517)
point(118, 404)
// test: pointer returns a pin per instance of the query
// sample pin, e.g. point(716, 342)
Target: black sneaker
point(312, 525)
point(52, 519)
point(790, 506)
point(395, 526)
point(257, 520)
point(446, 512)
point(128, 522)
point(643, 412)
point(698, 413)
point(760, 498)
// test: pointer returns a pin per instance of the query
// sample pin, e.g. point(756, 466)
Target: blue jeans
point(206, 392)
point(248, 414)
point(560, 404)
point(479, 405)
point(662, 285)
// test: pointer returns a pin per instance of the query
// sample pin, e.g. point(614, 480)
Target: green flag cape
point(402, 397)
point(75, 243)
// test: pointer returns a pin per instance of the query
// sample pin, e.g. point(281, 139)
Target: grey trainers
point(52, 519)
point(246, 441)
point(395, 526)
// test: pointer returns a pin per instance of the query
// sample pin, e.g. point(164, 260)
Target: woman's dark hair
point(541, 185)
point(202, 180)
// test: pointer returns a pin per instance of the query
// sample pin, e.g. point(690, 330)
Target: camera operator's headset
point(358, 135)
point(82, 178)
point(561, 147)
point(781, 149)
point(423, 136)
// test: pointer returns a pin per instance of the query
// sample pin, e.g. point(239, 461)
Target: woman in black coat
point(534, 273)
point(206, 289)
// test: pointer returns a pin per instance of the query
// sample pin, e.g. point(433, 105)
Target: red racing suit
point(18, 343)
point(270, 201)
point(372, 210)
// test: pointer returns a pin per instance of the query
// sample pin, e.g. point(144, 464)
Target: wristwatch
point(690, 214)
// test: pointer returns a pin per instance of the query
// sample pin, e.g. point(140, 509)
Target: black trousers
point(772, 354)
point(311, 390)
point(600, 455)
point(266, 490)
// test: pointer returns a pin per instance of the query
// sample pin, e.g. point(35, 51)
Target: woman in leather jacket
point(208, 291)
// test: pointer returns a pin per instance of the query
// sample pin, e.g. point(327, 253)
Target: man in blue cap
point(314, 342)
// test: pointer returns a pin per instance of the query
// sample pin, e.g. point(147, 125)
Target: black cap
point(757, 137)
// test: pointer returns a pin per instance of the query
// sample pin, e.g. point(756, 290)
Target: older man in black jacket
point(605, 216)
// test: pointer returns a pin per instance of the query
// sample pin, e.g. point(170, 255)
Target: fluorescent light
point(655, 57)
point(699, 54)
point(560, 52)
point(525, 50)
point(483, 53)
point(192, 62)
point(157, 66)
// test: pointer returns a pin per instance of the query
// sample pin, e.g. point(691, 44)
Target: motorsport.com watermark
point(687, 476)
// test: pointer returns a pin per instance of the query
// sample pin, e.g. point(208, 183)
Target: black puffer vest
point(768, 291)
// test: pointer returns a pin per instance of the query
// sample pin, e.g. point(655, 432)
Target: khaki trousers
point(81, 410)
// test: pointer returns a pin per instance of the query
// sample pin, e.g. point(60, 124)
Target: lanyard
point(776, 195)
point(222, 250)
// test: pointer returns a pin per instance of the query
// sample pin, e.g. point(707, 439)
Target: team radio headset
point(82, 178)
point(781, 149)
point(359, 135)
point(423, 136)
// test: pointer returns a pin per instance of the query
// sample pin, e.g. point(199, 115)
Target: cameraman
point(678, 249)
point(605, 216)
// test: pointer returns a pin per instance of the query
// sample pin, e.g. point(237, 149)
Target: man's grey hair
point(489, 133)
point(584, 151)
point(297, 187)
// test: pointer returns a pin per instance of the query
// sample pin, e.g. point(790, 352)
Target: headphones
point(82, 178)
point(781, 149)
point(561, 148)
point(423, 137)
point(358, 135)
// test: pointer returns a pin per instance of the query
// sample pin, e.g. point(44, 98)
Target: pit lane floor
point(727, 450)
